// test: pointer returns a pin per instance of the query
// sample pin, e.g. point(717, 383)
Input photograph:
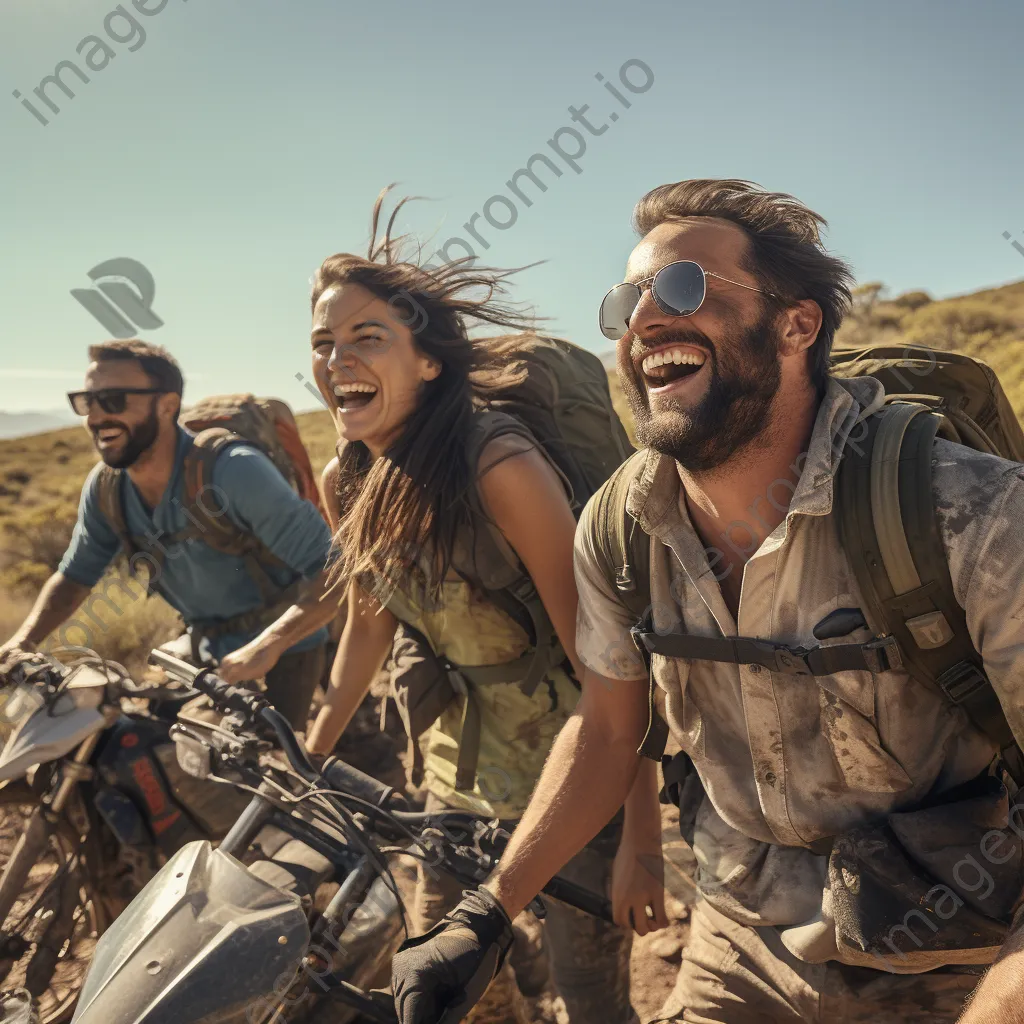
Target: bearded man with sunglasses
point(724, 327)
point(131, 401)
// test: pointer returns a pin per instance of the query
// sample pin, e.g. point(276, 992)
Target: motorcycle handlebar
point(338, 774)
point(237, 698)
point(344, 777)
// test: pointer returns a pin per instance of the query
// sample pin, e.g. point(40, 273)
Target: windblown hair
point(415, 497)
point(786, 252)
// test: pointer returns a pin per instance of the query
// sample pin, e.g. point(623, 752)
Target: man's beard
point(140, 440)
point(733, 412)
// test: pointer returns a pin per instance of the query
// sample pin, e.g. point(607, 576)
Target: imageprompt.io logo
point(123, 297)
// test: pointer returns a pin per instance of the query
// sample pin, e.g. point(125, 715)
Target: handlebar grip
point(235, 698)
point(351, 780)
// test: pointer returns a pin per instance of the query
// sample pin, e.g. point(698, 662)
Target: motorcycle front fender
point(48, 734)
point(205, 941)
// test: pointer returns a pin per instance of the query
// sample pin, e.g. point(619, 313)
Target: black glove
point(438, 977)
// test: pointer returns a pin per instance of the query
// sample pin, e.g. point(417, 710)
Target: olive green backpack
point(564, 403)
point(886, 518)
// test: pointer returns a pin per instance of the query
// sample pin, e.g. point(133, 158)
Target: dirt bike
point(92, 802)
point(212, 939)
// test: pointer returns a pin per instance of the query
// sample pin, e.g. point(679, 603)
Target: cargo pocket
point(847, 704)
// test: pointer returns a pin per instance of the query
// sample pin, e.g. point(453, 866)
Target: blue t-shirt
point(202, 584)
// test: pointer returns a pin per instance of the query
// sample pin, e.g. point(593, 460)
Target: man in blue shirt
point(131, 402)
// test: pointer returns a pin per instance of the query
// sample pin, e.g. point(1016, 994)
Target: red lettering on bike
point(152, 791)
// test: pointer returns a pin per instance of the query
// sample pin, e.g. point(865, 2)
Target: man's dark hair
point(785, 255)
point(157, 363)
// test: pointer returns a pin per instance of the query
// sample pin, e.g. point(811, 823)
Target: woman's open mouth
point(355, 395)
point(670, 365)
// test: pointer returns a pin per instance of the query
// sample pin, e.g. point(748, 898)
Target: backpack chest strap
point(880, 655)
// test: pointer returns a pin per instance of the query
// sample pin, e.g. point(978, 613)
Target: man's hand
point(253, 661)
point(12, 652)
point(638, 873)
point(438, 977)
point(638, 882)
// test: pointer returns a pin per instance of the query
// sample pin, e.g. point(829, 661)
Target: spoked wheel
point(50, 934)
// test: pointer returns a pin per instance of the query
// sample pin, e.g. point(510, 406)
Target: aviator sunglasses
point(112, 400)
point(678, 289)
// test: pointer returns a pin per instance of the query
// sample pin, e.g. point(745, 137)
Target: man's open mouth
point(671, 364)
point(109, 435)
point(356, 395)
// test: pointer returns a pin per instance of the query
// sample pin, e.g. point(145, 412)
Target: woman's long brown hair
point(415, 497)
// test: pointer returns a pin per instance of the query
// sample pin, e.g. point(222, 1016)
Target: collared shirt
point(203, 584)
point(786, 760)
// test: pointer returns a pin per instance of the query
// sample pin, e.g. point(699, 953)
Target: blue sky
point(244, 140)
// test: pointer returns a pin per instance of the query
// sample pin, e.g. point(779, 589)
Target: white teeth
point(677, 356)
point(348, 389)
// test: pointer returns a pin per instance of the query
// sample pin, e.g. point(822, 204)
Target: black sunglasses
point(678, 289)
point(112, 400)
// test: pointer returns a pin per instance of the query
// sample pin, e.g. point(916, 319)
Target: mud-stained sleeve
point(981, 515)
point(603, 641)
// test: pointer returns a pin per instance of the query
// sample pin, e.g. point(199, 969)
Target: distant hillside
point(21, 424)
point(988, 325)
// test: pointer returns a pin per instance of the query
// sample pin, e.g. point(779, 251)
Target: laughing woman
point(414, 487)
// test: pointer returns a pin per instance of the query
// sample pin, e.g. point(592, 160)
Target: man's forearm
point(643, 810)
point(585, 781)
point(56, 603)
point(316, 609)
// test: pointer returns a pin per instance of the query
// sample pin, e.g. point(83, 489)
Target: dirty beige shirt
point(784, 759)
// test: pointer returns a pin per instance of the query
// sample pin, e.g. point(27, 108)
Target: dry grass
point(119, 622)
point(988, 325)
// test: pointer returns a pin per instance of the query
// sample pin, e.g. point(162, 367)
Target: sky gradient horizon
point(242, 141)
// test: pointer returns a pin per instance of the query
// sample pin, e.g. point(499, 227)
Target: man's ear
point(170, 407)
point(798, 327)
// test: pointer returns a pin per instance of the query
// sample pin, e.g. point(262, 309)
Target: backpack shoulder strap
point(208, 516)
point(888, 527)
point(111, 505)
point(622, 546)
point(623, 550)
point(204, 511)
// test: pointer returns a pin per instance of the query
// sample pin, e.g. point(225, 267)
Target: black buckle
point(883, 654)
point(792, 661)
point(962, 681)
